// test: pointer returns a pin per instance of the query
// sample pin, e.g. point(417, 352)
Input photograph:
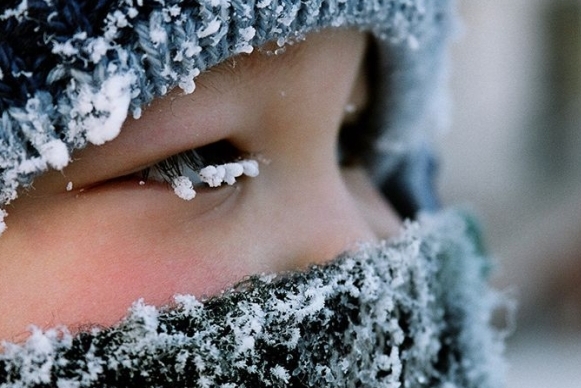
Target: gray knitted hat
point(71, 71)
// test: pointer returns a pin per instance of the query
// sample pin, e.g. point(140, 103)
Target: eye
point(207, 166)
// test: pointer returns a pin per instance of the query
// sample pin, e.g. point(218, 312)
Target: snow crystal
point(69, 186)
point(214, 176)
point(137, 112)
point(55, 153)
point(157, 32)
point(263, 4)
point(147, 315)
point(132, 12)
point(250, 167)
point(97, 48)
point(3, 215)
point(210, 29)
point(16, 13)
point(112, 99)
point(66, 48)
point(247, 34)
point(187, 83)
point(183, 188)
point(247, 343)
point(119, 18)
point(175, 10)
point(191, 49)
point(280, 373)
point(32, 165)
point(232, 171)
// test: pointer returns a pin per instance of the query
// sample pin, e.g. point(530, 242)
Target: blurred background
point(513, 155)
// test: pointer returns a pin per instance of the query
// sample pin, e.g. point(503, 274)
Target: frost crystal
point(214, 176)
point(102, 112)
point(3, 215)
point(55, 153)
point(210, 29)
point(183, 188)
point(250, 167)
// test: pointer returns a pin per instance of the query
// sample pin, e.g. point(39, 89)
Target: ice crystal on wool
point(348, 323)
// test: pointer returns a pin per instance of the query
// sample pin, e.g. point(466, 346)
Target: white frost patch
point(107, 108)
point(157, 33)
point(183, 188)
point(281, 373)
point(187, 83)
point(17, 12)
point(263, 4)
point(214, 176)
point(148, 315)
point(98, 48)
point(66, 49)
point(250, 167)
point(233, 171)
point(190, 49)
point(55, 153)
point(3, 215)
point(211, 28)
point(247, 34)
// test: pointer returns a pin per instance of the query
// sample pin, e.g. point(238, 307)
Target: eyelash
point(192, 161)
point(210, 165)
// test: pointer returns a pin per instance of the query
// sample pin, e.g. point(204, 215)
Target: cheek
point(92, 261)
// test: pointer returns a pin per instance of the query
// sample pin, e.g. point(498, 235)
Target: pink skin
point(83, 256)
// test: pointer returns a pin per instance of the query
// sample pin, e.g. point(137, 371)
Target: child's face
point(83, 256)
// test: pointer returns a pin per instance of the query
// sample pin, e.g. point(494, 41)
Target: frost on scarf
point(413, 312)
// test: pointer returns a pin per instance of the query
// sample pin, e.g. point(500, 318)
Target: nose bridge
point(333, 222)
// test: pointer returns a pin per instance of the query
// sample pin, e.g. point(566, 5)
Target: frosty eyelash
point(212, 165)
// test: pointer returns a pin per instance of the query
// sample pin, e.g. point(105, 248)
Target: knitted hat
point(72, 70)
